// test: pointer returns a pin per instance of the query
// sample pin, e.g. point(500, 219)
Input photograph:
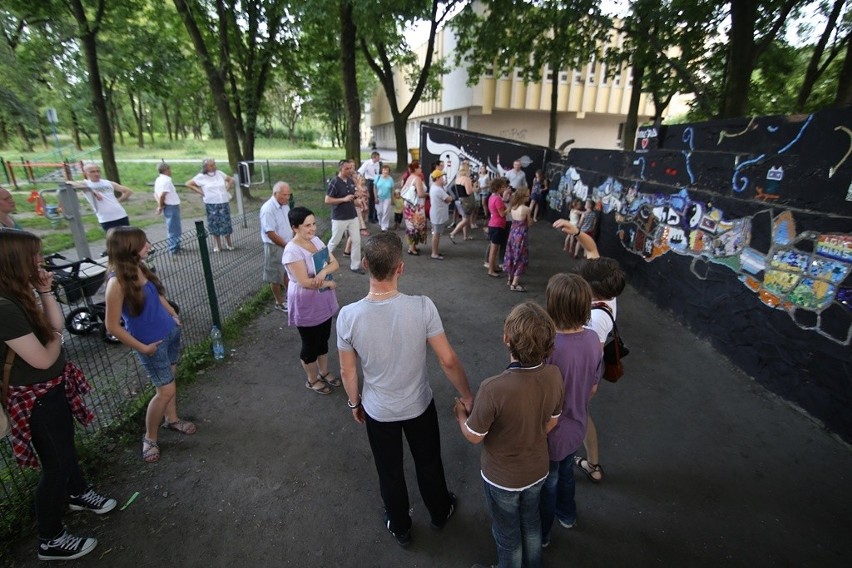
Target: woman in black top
point(44, 391)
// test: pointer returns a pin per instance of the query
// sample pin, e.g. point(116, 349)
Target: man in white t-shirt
point(439, 210)
point(370, 170)
point(276, 232)
point(168, 203)
point(101, 195)
point(397, 397)
point(516, 176)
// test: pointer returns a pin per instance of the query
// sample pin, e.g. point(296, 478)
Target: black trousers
point(371, 190)
point(52, 428)
point(424, 441)
point(314, 340)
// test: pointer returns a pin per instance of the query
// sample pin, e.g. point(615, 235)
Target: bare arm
point(349, 376)
point(452, 367)
point(123, 192)
point(194, 187)
point(461, 417)
point(338, 200)
point(551, 424)
point(30, 349)
point(587, 242)
point(114, 299)
point(299, 272)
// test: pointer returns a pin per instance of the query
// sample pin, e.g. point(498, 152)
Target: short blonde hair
point(530, 333)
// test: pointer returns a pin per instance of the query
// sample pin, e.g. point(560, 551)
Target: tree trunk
point(25, 138)
point(87, 38)
point(75, 131)
point(4, 133)
point(168, 120)
point(351, 101)
point(628, 139)
point(554, 101)
point(813, 71)
point(136, 107)
point(844, 81)
point(149, 126)
point(740, 58)
point(43, 135)
point(216, 82)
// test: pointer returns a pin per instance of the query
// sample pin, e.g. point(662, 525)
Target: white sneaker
point(65, 547)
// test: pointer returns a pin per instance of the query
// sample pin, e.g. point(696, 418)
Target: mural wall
point(743, 228)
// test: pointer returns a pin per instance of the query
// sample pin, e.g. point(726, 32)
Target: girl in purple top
point(311, 297)
point(496, 224)
point(153, 329)
point(577, 354)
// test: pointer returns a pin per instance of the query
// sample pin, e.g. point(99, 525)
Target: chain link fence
point(113, 370)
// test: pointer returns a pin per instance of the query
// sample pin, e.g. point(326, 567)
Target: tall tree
point(530, 37)
point(818, 64)
point(349, 76)
point(383, 43)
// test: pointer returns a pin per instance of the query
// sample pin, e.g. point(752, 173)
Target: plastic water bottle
point(216, 341)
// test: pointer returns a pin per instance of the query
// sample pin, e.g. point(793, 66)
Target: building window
point(457, 121)
point(630, 77)
point(519, 74)
point(590, 73)
point(447, 120)
point(548, 74)
point(489, 72)
point(563, 77)
point(578, 77)
point(616, 80)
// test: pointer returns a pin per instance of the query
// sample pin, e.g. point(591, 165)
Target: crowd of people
point(531, 420)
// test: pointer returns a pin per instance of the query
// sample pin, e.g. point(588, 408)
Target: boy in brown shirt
point(511, 416)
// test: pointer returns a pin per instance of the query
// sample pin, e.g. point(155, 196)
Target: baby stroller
point(79, 281)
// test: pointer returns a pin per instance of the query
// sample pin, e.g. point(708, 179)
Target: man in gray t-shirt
point(396, 395)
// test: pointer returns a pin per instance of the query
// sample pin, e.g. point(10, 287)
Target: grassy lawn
point(306, 180)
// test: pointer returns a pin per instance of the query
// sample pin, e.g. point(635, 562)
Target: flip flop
point(413, 253)
point(589, 469)
point(495, 275)
point(332, 382)
point(324, 390)
point(182, 426)
point(517, 288)
point(439, 257)
point(150, 450)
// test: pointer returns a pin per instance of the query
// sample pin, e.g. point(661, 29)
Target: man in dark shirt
point(341, 196)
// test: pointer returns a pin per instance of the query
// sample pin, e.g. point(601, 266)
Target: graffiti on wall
point(796, 271)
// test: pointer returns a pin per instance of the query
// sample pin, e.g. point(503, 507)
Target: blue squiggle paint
point(798, 136)
point(687, 156)
point(741, 188)
point(772, 129)
point(642, 171)
point(687, 136)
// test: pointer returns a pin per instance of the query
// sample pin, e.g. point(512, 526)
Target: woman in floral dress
point(517, 258)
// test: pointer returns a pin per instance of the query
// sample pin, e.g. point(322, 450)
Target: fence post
point(322, 181)
point(201, 233)
point(268, 175)
point(5, 171)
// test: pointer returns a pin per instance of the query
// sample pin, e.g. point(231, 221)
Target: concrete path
point(703, 466)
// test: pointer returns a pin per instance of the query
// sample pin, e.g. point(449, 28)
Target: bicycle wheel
point(81, 321)
point(107, 336)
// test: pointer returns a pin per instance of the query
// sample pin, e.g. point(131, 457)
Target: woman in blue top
point(152, 329)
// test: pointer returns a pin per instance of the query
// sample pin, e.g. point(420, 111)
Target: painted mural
point(800, 271)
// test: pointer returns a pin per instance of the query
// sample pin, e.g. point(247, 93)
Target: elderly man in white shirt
point(276, 232)
point(168, 203)
point(101, 195)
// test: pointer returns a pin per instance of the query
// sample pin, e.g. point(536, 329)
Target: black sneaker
point(402, 539)
point(439, 526)
point(91, 501)
point(65, 547)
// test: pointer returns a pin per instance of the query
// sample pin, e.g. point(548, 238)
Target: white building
point(592, 104)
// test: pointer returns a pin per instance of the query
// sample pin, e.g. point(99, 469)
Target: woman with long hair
point(466, 202)
point(517, 256)
point(214, 187)
point(44, 393)
point(152, 328)
point(414, 212)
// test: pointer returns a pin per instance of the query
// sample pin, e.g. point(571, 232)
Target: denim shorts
point(159, 365)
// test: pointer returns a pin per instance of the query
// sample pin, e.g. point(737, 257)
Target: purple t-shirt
point(578, 356)
point(306, 307)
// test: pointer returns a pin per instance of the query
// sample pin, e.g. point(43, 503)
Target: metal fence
point(113, 370)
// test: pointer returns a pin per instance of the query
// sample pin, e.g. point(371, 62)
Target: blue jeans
point(557, 496)
point(171, 213)
point(516, 525)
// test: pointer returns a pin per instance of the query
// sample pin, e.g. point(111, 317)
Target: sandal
point(517, 288)
point(414, 253)
point(589, 469)
point(332, 382)
point(182, 426)
point(150, 450)
point(325, 389)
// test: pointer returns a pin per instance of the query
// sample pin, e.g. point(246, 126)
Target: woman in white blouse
point(214, 187)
